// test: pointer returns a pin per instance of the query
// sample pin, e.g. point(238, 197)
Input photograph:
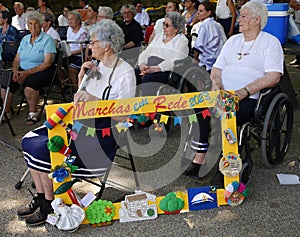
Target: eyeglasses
point(167, 25)
point(126, 13)
point(93, 42)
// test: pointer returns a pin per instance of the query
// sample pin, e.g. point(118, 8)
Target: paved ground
point(270, 210)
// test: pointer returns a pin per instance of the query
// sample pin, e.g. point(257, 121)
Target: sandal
point(32, 118)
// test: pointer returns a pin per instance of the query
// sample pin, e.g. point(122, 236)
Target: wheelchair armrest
point(265, 97)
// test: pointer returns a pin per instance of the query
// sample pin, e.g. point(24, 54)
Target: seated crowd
point(246, 63)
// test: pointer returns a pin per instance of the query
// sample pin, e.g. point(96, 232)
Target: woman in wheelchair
point(156, 62)
point(113, 78)
point(248, 62)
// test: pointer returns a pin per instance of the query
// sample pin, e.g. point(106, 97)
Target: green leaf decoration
point(66, 186)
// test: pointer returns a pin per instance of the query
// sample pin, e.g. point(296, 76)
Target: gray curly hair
point(178, 21)
point(257, 9)
point(34, 15)
point(76, 14)
point(106, 11)
point(107, 31)
point(128, 6)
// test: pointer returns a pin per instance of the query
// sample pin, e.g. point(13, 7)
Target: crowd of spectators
point(91, 33)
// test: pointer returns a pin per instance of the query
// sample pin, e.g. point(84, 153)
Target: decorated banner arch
point(60, 115)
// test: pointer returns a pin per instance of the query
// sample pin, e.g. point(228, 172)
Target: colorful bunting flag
point(105, 132)
point(90, 131)
point(164, 118)
point(177, 120)
point(193, 118)
point(77, 126)
point(205, 113)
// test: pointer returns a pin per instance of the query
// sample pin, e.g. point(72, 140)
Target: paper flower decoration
point(59, 173)
point(235, 193)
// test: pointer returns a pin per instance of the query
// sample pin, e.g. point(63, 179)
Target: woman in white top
point(248, 63)
point(226, 15)
point(93, 154)
point(156, 62)
point(48, 19)
point(210, 38)
point(172, 6)
point(75, 34)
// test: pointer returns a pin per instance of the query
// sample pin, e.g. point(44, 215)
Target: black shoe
point(29, 209)
point(40, 216)
point(193, 171)
point(218, 180)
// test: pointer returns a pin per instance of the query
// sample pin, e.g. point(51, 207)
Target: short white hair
point(34, 15)
point(19, 4)
point(106, 11)
point(257, 9)
point(108, 31)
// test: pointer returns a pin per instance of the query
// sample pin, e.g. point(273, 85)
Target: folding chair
point(65, 46)
point(23, 33)
point(47, 90)
point(9, 51)
point(62, 31)
point(5, 77)
point(104, 179)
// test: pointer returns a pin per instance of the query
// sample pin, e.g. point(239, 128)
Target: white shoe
point(294, 62)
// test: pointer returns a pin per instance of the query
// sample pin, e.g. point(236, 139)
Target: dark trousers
point(151, 82)
point(244, 114)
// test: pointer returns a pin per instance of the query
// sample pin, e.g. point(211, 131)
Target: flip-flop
point(31, 119)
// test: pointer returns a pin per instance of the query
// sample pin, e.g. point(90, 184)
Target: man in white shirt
point(84, 4)
point(63, 18)
point(141, 16)
point(18, 20)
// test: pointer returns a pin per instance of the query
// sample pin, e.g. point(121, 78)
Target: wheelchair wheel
point(195, 79)
point(277, 130)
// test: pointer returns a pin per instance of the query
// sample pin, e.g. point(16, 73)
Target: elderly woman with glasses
point(133, 34)
point(105, 13)
point(110, 78)
point(156, 62)
point(32, 66)
point(248, 62)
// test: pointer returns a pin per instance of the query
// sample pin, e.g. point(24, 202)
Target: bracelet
point(248, 92)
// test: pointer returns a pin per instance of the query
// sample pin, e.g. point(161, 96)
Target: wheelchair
point(184, 78)
point(270, 129)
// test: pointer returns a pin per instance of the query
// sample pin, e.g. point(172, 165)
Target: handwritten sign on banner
point(138, 105)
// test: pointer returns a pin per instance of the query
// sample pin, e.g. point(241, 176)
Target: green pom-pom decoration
point(142, 118)
point(246, 192)
point(171, 195)
point(171, 203)
point(55, 143)
point(100, 211)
